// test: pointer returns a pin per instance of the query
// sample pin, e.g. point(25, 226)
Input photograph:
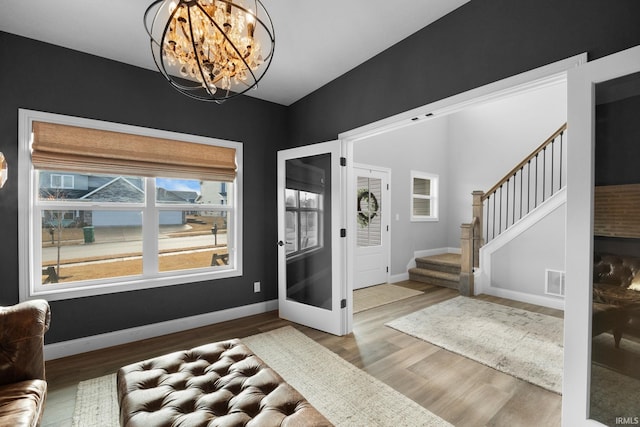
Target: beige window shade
point(77, 149)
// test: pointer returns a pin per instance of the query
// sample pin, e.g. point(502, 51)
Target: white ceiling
point(316, 41)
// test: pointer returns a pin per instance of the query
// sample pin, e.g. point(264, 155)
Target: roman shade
point(77, 149)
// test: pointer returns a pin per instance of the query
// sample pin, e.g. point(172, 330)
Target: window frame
point(432, 197)
point(297, 210)
point(29, 223)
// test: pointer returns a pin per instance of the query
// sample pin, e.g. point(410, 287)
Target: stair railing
point(524, 188)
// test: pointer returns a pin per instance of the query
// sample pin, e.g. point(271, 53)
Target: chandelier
point(210, 50)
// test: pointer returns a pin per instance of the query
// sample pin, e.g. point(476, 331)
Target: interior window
point(424, 196)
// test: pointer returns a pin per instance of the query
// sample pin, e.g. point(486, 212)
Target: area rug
point(97, 403)
point(344, 394)
point(520, 343)
point(376, 296)
point(612, 395)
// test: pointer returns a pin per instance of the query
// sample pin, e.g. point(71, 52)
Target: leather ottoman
point(219, 384)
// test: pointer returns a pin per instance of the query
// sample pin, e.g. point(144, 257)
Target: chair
point(23, 388)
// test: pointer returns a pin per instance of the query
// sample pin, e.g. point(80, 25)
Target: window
point(61, 181)
point(424, 196)
point(103, 226)
point(303, 219)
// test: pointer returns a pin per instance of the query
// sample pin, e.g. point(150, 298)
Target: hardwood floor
point(461, 391)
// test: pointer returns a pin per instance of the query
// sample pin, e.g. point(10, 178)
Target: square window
point(424, 196)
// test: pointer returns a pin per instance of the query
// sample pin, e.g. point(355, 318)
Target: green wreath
point(364, 194)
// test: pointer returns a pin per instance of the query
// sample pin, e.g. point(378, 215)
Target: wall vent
point(554, 283)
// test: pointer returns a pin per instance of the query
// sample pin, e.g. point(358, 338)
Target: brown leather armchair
point(23, 388)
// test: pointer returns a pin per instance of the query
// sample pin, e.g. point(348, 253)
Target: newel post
point(478, 213)
point(466, 260)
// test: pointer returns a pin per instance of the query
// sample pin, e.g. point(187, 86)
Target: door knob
point(280, 243)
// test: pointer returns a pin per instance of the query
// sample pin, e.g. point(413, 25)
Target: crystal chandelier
point(211, 50)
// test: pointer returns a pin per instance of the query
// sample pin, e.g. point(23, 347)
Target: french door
point(311, 237)
point(604, 130)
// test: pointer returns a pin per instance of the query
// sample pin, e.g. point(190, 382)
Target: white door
point(311, 234)
point(603, 105)
point(371, 263)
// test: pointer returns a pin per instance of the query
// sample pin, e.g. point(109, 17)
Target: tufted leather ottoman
point(220, 384)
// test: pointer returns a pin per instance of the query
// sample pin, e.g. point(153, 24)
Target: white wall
point(487, 141)
point(520, 264)
point(422, 147)
point(470, 150)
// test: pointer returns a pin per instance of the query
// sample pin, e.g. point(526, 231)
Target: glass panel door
point(311, 285)
point(615, 311)
point(308, 230)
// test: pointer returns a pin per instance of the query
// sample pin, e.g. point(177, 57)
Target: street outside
point(97, 250)
point(117, 251)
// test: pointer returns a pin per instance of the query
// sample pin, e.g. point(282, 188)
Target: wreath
point(370, 199)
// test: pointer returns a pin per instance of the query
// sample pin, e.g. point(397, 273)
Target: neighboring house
point(98, 188)
point(213, 192)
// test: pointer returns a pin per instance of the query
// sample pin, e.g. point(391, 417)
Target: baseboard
point(524, 297)
point(97, 342)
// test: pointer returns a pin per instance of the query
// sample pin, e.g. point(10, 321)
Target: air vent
point(554, 283)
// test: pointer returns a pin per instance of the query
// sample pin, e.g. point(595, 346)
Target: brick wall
point(617, 211)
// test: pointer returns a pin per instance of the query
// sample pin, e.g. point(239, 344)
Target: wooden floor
point(461, 391)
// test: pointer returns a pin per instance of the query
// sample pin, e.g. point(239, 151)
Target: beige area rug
point(375, 296)
point(97, 403)
point(520, 343)
point(344, 394)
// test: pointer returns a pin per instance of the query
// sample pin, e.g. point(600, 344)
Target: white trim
point(482, 277)
point(537, 78)
point(125, 336)
point(579, 249)
point(540, 300)
point(29, 254)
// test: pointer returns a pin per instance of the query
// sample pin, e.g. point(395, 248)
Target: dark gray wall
point(483, 41)
point(43, 77)
point(617, 151)
point(479, 43)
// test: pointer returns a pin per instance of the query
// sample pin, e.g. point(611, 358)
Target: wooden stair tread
point(440, 270)
point(451, 259)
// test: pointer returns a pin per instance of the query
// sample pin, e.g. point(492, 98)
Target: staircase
point(439, 270)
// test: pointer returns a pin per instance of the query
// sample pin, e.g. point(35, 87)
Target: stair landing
point(439, 270)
